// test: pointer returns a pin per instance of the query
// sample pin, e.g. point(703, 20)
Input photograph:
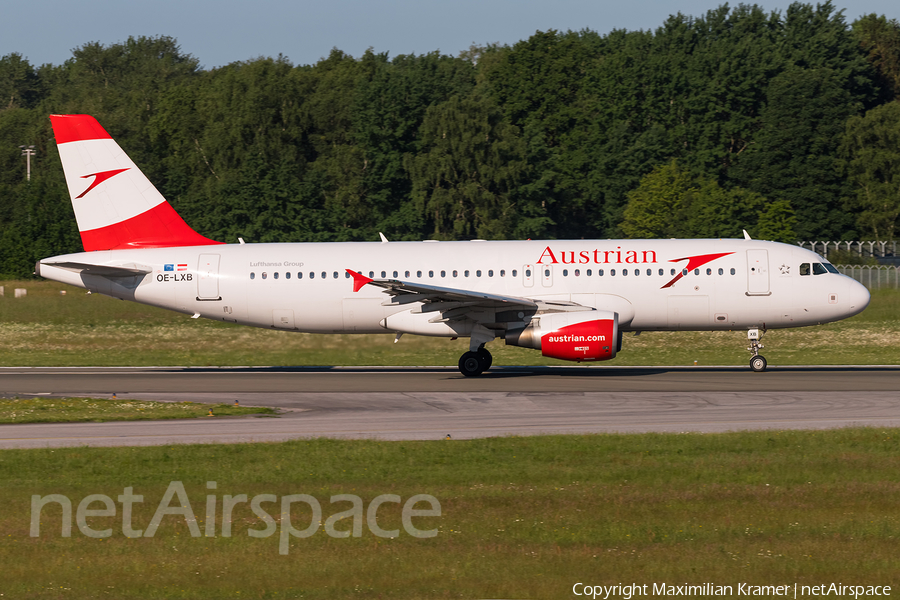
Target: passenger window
point(804, 269)
point(490, 272)
point(673, 272)
point(324, 274)
point(565, 272)
point(371, 274)
point(624, 272)
point(252, 275)
point(287, 275)
point(684, 272)
point(431, 273)
point(406, 274)
point(577, 272)
point(502, 273)
point(696, 271)
point(455, 273)
point(709, 271)
point(396, 274)
point(383, 274)
point(443, 273)
point(466, 273)
point(649, 272)
point(546, 272)
point(661, 272)
point(418, 273)
point(334, 275)
point(819, 269)
point(478, 273)
point(588, 273)
point(264, 275)
point(612, 272)
point(721, 271)
point(300, 275)
point(514, 273)
point(527, 272)
point(599, 272)
point(275, 275)
point(312, 275)
point(346, 275)
point(733, 271)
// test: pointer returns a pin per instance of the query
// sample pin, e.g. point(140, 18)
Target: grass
point(521, 517)
point(71, 410)
point(49, 329)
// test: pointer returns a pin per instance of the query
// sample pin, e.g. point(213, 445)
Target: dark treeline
point(784, 124)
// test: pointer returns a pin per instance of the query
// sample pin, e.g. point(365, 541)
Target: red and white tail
point(115, 204)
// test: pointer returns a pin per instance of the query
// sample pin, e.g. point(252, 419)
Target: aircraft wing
point(443, 299)
point(101, 270)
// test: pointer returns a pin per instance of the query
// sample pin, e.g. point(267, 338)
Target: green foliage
point(880, 39)
point(871, 150)
point(550, 137)
point(671, 203)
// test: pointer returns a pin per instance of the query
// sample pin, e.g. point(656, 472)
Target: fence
point(874, 249)
point(873, 277)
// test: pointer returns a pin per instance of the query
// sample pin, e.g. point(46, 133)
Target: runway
point(432, 402)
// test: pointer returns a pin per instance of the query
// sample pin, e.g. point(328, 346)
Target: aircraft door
point(758, 273)
point(208, 277)
point(546, 275)
point(528, 275)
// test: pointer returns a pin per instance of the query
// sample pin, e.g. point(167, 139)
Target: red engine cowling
point(579, 336)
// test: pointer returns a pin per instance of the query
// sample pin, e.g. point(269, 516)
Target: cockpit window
point(831, 269)
point(819, 269)
point(804, 269)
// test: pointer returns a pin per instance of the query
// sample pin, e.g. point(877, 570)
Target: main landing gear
point(757, 360)
point(475, 363)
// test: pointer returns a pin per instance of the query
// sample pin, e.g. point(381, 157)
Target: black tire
point(758, 363)
point(470, 364)
point(486, 359)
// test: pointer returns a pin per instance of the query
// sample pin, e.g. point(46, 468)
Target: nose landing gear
point(757, 361)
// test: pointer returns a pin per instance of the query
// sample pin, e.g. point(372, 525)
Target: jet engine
point(579, 336)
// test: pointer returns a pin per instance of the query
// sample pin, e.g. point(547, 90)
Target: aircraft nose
point(858, 297)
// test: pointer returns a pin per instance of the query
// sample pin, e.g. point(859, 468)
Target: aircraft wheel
point(486, 359)
point(758, 363)
point(470, 364)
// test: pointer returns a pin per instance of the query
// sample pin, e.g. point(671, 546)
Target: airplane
point(570, 299)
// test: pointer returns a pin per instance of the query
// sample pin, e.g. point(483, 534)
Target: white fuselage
point(305, 287)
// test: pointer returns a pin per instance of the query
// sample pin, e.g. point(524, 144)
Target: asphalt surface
point(432, 402)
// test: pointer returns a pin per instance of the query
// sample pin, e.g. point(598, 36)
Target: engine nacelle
point(579, 336)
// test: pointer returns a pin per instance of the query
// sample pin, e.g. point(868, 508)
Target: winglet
point(359, 280)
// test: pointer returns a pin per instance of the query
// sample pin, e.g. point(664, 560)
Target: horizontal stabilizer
point(101, 270)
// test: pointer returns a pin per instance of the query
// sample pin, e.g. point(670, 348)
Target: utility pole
point(28, 152)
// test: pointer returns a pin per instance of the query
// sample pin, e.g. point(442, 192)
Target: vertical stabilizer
point(115, 204)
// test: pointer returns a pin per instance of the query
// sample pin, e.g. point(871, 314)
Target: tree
point(871, 161)
point(879, 38)
point(672, 203)
point(465, 177)
point(793, 156)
